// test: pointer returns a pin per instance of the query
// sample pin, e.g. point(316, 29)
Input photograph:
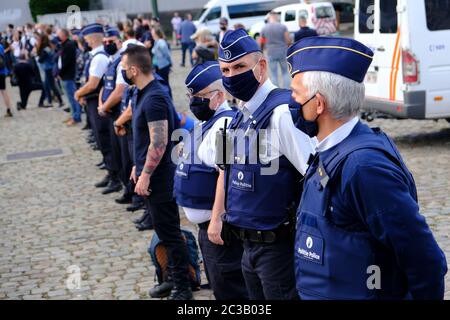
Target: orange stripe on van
point(394, 88)
point(394, 60)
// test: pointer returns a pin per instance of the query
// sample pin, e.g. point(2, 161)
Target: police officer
point(260, 199)
point(359, 234)
point(195, 181)
point(88, 95)
point(109, 102)
point(154, 120)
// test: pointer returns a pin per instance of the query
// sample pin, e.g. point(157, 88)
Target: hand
point(77, 96)
point(83, 102)
point(142, 185)
point(120, 131)
point(101, 111)
point(133, 175)
point(214, 232)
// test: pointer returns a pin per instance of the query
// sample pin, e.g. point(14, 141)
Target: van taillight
point(410, 68)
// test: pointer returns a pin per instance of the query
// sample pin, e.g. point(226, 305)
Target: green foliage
point(40, 7)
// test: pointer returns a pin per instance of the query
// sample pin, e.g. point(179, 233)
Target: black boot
point(135, 207)
point(161, 291)
point(104, 183)
point(125, 199)
point(142, 218)
point(146, 224)
point(181, 294)
point(115, 185)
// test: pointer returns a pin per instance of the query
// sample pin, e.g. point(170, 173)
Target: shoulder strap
point(262, 116)
point(100, 52)
point(208, 125)
point(334, 163)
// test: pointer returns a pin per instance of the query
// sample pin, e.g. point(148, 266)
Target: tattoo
point(159, 133)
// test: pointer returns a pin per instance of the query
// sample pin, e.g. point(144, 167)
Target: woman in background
point(45, 58)
point(162, 60)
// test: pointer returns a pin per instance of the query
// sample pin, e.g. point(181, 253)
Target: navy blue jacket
point(303, 33)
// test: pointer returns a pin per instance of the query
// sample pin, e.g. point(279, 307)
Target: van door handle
point(381, 49)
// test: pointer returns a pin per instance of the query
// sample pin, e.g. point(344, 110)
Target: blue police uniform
point(100, 125)
point(109, 85)
point(258, 205)
point(195, 188)
point(359, 211)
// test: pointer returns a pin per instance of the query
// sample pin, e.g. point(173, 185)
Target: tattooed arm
point(159, 133)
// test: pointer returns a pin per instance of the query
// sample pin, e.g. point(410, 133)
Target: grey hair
point(344, 96)
point(217, 85)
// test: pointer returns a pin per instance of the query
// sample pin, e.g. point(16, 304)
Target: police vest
point(195, 183)
point(259, 201)
point(330, 262)
point(109, 80)
point(96, 92)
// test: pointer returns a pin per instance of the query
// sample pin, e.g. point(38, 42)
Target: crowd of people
point(340, 201)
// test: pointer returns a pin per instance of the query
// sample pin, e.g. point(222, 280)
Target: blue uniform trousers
point(223, 267)
point(269, 269)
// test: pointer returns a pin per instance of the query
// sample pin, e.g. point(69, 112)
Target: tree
point(155, 8)
point(40, 7)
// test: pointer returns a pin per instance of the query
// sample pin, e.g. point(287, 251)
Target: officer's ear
point(321, 103)
point(134, 71)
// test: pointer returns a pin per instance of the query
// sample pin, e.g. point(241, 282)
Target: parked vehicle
point(320, 16)
point(247, 12)
point(410, 73)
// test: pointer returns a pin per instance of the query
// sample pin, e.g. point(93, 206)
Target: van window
point(200, 13)
point(366, 16)
point(388, 16)
point(324, 12)
point(214, 13)
point(289, 16)
point(250, 10)
point(303, 13)
point(438, 14)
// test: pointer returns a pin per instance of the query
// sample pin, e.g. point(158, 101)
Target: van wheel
point(448, 120)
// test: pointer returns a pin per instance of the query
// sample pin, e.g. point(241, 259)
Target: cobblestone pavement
point(52, 218)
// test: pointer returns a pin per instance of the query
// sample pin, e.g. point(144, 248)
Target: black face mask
point(126, 79)
point(86, 47)
point(223, 28)
point(311, 128)
point(200, 108)
point(111, 49)
point(242, 86)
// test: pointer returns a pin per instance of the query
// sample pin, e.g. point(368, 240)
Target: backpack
point(158, 254)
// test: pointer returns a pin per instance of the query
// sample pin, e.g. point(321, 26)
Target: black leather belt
point(259, 236)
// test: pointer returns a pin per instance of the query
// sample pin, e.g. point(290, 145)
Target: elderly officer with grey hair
point(360, 234)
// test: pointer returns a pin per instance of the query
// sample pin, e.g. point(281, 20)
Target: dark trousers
point(269, 270)
point(101, 129)
point(127, 166)
point(116, 153)
point(185, 47)
point(164, 72)
point(166, 220)
point(130, 186)
point(223, 267)
point(24, 95)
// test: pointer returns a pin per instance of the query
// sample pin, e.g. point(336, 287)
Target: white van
point(247, 12)
point(320, 16)
point(410, 73)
